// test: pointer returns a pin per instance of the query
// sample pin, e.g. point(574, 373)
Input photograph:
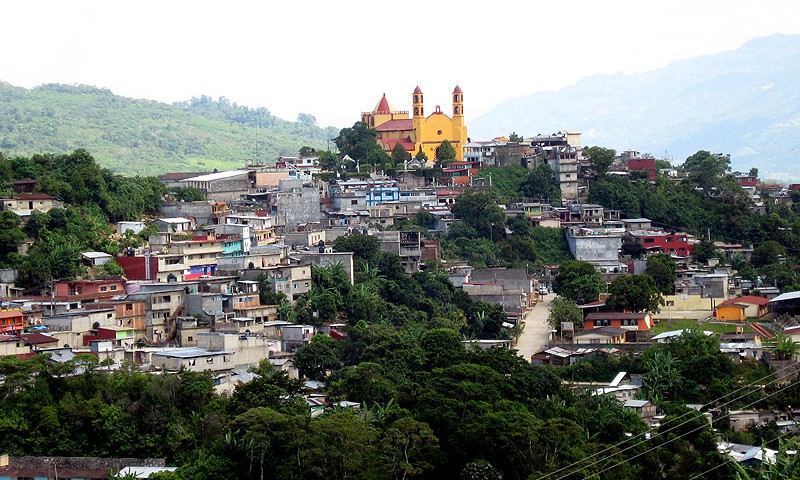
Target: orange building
point(11, 320)
point(631, 322)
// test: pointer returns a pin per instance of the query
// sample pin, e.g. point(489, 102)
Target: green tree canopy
point(445, 153)
point(399, 154)
point(601, 158)
point(637, 293)
point(578, 281)
point(661, 268)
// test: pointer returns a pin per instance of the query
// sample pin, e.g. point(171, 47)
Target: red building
point(460, 173)
point(96, 290)
point(656, 241)
point(11, 320)
point(643, 164)
point(747, 180)
point(631, 322)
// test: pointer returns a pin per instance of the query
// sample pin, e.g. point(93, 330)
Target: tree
point(637, 293)
point(578, 281)
point(767, 253)
point(704, 251)
point(409, 448)
point(399, 154)
point(445, 153)
point(306, 151)
point(358, 142)
point(365, 248)
point(420, 155)
point(661, 268)
point(564, 310)
point(515, 138)
point(11, 237)
point(601, 158)
point(317, 357)
point(707, 170)
point(479, 211)
point(306, 119)
point(187, 194)
point(541, 183)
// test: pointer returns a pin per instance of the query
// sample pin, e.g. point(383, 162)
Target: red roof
point(389, 143)
point(33, 196)
point(417, 90)
point(11, 314)
point(383, 105)
point(751, 299)
point(36, 338)
point(615, 316)
point(396, 125)
point(457, 89)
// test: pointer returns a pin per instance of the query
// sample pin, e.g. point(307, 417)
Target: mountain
point(743, 102)
point(145, 137)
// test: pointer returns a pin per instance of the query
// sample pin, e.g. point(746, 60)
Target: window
point(210, 360)
point(189, 339)
point(649, 240)
point(103, 288)
point(353, 202)
point(113, 287)
point(670, 239)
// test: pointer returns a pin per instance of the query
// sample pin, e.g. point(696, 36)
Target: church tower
point(418, 108)
point(459, 129)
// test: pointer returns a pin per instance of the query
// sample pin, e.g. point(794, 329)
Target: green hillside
point(146, 137)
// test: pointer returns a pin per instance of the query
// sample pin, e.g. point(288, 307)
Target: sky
point(334, 60)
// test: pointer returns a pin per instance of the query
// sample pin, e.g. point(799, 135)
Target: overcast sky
point(335, 59)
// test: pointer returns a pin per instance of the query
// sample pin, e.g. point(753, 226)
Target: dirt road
point(536, 333)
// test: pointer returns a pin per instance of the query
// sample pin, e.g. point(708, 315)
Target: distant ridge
point(145, 137)
point(744, 102)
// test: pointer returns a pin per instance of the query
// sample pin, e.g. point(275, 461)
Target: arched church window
point(457, 110)
point(416, 111)
point(416, 99)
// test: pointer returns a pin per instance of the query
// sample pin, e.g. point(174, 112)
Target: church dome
point(383, 106)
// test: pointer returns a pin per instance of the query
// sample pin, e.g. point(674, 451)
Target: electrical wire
point(683, 435)
point(710, 403)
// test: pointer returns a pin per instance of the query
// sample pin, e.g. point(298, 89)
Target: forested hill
point(146, 137)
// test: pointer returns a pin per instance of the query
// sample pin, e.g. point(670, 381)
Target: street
point(536, 332)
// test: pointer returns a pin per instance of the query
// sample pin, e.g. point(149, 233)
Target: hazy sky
point(335, 59)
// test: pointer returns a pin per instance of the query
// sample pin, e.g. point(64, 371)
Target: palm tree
point(784, 347)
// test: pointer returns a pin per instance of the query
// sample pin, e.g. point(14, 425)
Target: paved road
point(536, 332)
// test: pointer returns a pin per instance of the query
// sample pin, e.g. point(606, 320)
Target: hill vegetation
point(145, 137)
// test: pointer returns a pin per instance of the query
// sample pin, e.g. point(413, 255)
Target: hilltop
point(145, 137)
point(742, 102)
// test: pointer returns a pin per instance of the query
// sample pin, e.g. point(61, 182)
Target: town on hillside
point(656, 291)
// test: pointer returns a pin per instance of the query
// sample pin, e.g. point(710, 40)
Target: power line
point(679, 436)
point(710, 403)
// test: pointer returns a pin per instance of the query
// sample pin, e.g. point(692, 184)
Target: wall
point(201, 211)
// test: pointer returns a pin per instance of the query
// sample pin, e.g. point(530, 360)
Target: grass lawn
point(681, 323)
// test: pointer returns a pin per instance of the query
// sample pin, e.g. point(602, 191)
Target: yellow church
point(419, 131)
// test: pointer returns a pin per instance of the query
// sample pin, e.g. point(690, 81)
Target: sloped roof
point(616, 316)
point(398, 124)
point(751, 299)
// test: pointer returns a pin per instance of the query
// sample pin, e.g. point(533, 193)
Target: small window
point(113, 287)
point(103, 288)
point(353, 202)
point(189, 339)
point(210, 360)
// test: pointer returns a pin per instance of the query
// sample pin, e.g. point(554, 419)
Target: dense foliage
point(92, 198)
point(147, 137)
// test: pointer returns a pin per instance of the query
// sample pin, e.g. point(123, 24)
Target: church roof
point(457, 89)
point(401, 124)
point(418, 90)
point(383, 106)
point(389, 143)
